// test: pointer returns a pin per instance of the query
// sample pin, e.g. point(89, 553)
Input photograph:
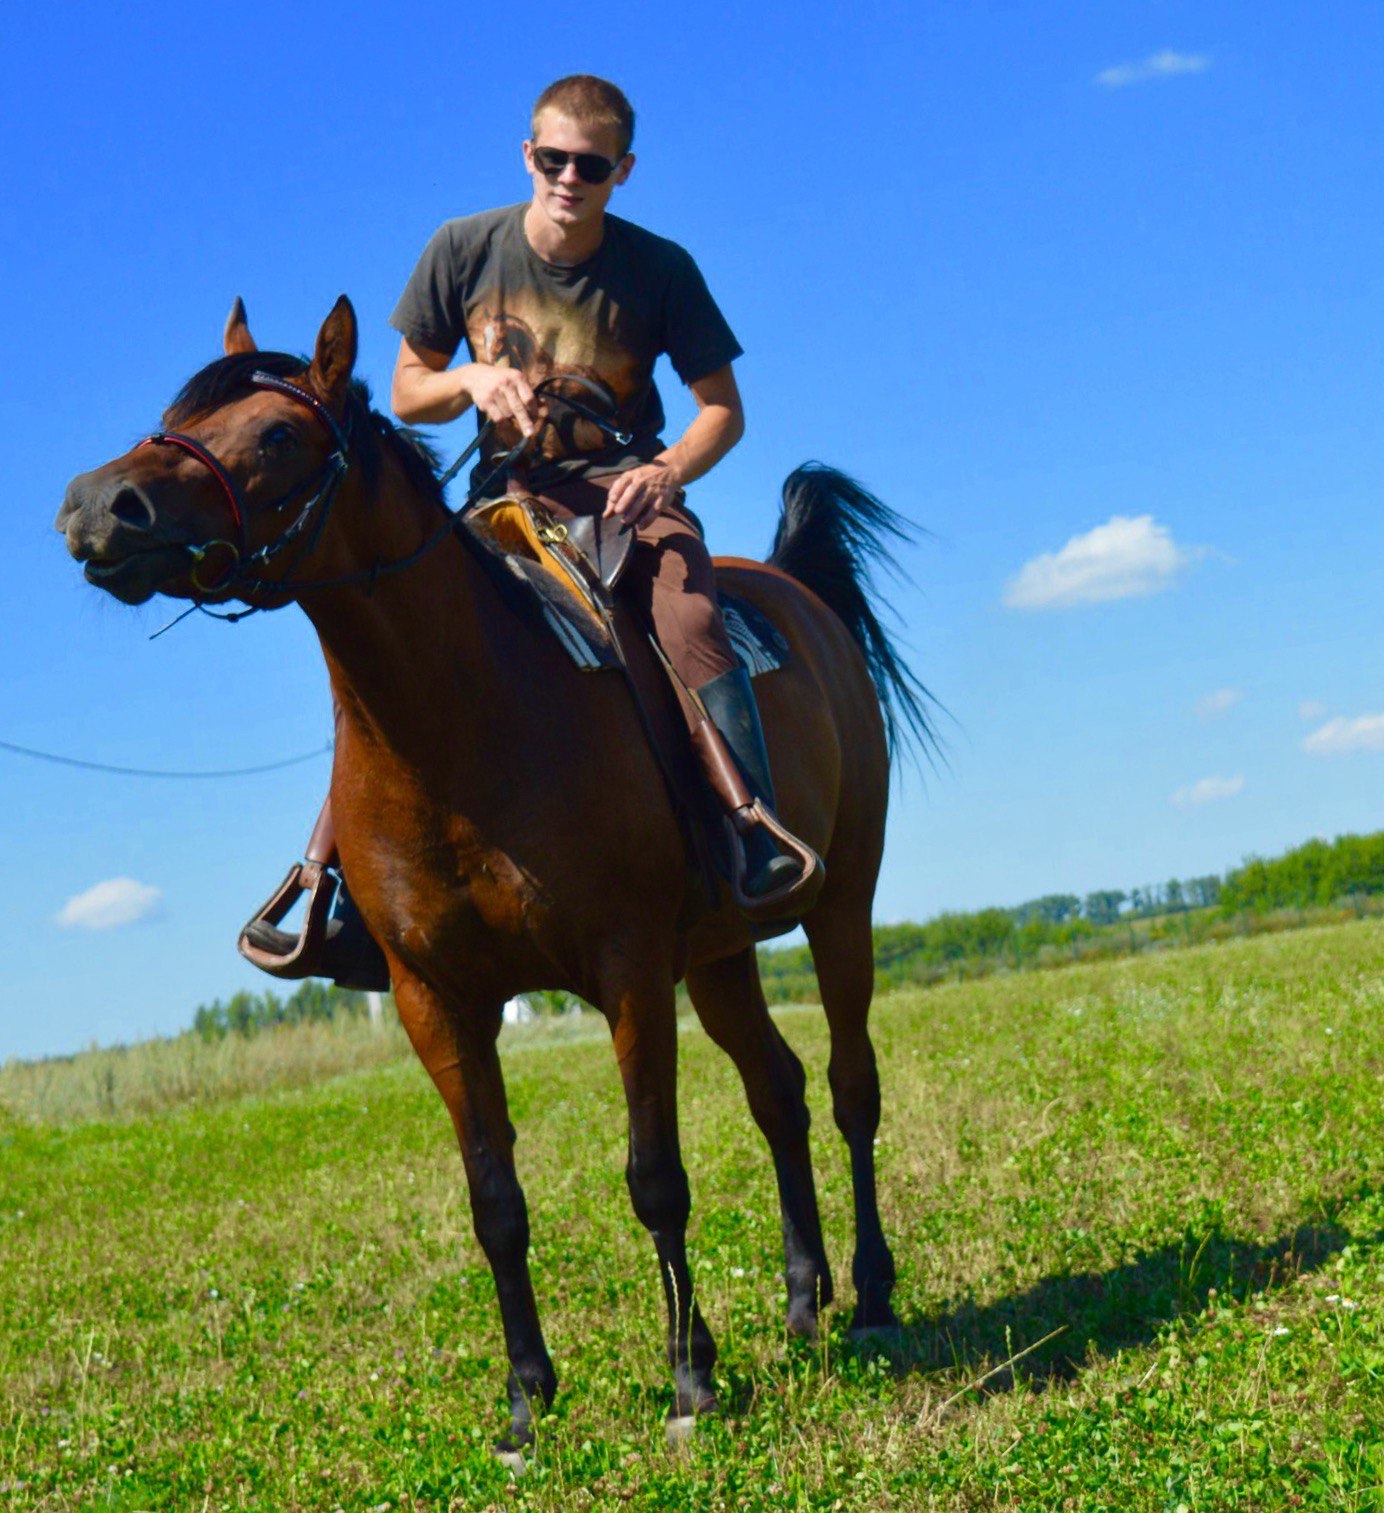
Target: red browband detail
point(195, 449)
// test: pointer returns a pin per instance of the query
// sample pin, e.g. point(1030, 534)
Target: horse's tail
point(829, 534)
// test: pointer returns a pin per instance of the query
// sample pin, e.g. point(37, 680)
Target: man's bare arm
point(717, 426)
point(426, 391)
point(719, 423)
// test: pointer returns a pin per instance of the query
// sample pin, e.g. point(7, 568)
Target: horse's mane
point(370, 432)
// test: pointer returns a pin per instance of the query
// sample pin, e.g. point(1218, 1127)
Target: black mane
point(228, 378)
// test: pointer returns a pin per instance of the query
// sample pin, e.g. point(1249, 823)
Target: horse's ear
point(336, 350)
point(237, 337)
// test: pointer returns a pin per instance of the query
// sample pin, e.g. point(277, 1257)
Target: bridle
point(324, 484)
point(244, 570)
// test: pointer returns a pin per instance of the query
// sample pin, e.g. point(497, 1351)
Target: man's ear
point(625, 169)
point(237, 336)
point(335, 356)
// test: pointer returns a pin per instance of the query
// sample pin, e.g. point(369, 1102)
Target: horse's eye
point(278, 439)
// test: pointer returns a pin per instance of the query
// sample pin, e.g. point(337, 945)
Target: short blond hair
point(589, 101)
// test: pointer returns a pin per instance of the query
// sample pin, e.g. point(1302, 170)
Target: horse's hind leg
point(643, 1021)
point(729, 1000)
point(843, 953)
point(460, 1056)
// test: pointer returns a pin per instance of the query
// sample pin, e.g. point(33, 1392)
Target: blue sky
point(1094, 293)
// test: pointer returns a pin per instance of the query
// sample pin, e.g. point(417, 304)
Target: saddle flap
point(606, 545)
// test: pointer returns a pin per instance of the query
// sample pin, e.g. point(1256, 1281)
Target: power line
point(156, 772)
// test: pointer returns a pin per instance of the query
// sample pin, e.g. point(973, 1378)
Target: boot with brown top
point(775, 876)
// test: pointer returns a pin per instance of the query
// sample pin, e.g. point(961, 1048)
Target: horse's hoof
point(679, 1428)
point(802, 1323)
point(885, 1336)
point(510, 1458)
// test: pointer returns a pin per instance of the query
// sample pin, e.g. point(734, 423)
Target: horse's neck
point(416, 660)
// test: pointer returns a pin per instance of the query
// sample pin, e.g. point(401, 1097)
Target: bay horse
point(500, 816)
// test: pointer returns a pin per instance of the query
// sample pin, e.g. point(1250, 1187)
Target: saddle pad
point(567, 611)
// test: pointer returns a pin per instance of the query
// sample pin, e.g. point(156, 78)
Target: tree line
point(1105, 922)
point(246, 1013)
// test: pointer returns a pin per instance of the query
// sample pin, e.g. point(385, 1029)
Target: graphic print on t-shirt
point(546, 340)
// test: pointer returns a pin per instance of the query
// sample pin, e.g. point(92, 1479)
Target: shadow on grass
point(1101, 1313)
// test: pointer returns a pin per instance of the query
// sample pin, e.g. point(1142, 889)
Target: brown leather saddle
point(588, 552)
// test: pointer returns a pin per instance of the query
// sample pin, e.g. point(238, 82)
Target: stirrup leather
point(306, 959)
point(784, 903)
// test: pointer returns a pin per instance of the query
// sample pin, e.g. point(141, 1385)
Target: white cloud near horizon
point(1311, 709)
point(1128, 557)
point(1212, 705)
point(1166, 64)
point(1208, 791)
point(111, 905)
point(1340, 737)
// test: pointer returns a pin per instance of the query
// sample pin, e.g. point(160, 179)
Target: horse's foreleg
point(460, 1055)
point(644, 1028)
point(843, 954)
point(730, 1004)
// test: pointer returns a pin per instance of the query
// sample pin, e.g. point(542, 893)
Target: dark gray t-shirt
point(605, 320)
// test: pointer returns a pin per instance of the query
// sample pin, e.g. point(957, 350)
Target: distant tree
point(1104, 908)
point(1202, 892)
point(210, 1020)
point(1056, 908)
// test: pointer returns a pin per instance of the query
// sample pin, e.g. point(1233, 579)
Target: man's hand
point(640, 495)
point(427, 392)
point(502, 394)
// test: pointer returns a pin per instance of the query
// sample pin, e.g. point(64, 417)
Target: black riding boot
point(730, 702)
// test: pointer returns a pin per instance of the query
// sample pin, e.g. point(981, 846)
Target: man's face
point(567, 199)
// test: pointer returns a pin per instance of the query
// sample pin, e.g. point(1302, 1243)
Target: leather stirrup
point(306, 959)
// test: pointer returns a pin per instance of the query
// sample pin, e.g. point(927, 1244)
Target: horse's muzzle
point(110, 527)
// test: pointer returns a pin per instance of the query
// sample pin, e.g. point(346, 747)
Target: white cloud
point(1208, 791)
point(1340, 736)
point(1127, 557)
point(1310, 709)
point(1162, 65)
point(1212, 705)
point(111, 905)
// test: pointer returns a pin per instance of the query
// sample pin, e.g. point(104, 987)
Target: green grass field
point(1152, 1186)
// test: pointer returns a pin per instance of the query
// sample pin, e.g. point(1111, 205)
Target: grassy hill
point(1151, 1186)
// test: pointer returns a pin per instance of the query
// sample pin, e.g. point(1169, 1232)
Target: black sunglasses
point(592, 168)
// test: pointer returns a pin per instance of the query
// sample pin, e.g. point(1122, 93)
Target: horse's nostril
point(131, 508)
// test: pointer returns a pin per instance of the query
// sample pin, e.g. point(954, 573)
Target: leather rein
point(310, 522)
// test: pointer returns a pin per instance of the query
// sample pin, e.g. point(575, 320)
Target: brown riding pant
point(669, 576)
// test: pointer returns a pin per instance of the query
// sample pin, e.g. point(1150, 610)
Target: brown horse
point(501, 819)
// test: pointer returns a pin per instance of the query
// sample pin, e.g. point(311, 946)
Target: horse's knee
point(659, 1191)
point(855, 1098)
point(781, 1111)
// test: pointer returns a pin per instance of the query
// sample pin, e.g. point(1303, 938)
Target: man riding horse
point(558, 296)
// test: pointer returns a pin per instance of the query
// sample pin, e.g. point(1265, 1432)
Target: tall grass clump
point(127, 1082)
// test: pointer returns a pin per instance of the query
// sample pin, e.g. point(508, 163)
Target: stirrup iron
point(306, 957)
point(789, 902)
